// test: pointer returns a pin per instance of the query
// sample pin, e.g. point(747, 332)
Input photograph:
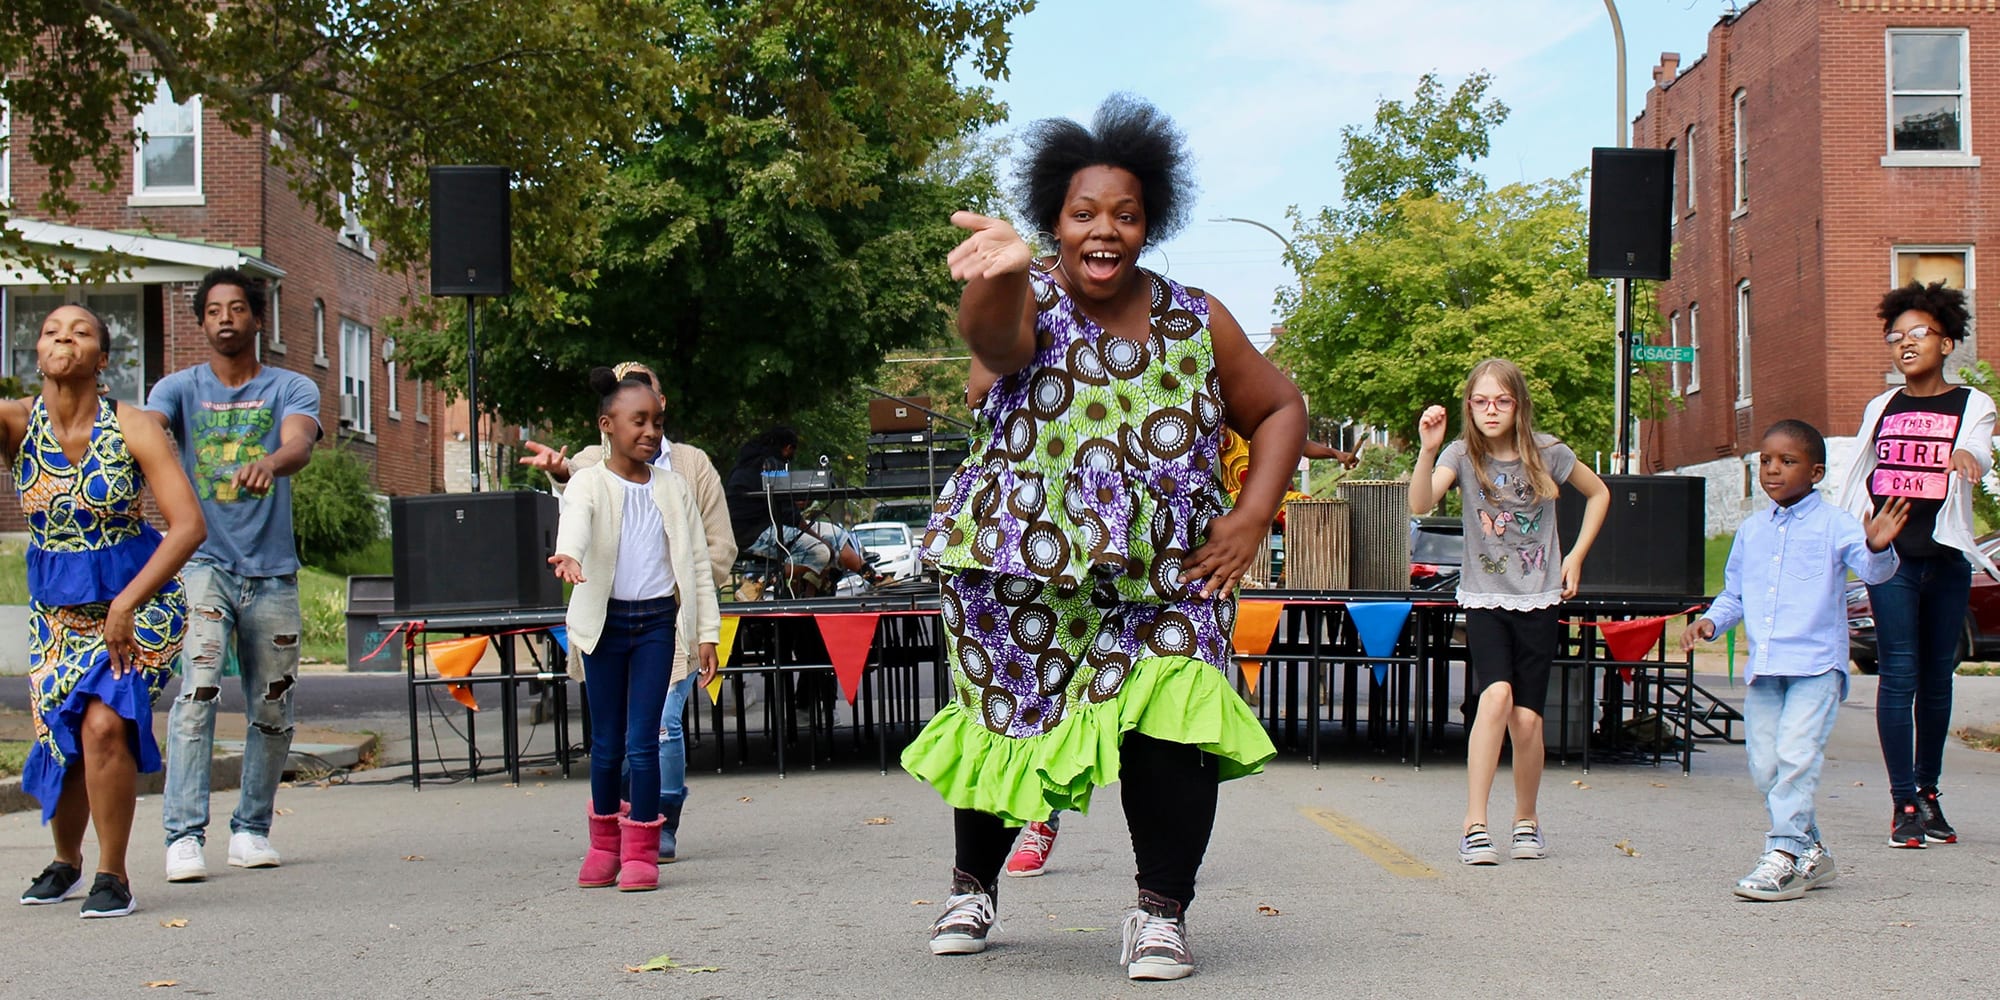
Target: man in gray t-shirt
point(243, 430)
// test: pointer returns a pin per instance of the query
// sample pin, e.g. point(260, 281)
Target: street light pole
point(1622, 376)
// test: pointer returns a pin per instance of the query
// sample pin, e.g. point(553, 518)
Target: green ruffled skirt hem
point(1171, 698)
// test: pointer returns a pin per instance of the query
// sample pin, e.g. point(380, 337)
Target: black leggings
point(1168, 790)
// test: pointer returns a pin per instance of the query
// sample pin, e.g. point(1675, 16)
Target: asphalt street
point(1340, 881)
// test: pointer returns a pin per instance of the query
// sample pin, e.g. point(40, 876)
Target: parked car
point(893, 545)
point(915, 513)
point(1979, 638)
point(1437, 550)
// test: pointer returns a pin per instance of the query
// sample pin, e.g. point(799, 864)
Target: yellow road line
point(1372, 845)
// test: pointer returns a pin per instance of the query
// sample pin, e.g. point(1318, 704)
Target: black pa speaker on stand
point(1631, 220)
point(472, 237)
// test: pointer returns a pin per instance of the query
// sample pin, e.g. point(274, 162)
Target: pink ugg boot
point(639, 854)
point(600, 863)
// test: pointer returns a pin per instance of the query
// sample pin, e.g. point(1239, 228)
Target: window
point(277, 114)
point(1694, 341)
point(1674, 340)
point(319, 333)
point(1927, 96)
point(389, 377)
point(355, 356)
point(1952, 265)
point(1743, 343)
point(1742, 157)
point(1673, 197)
point(167, 169)
point(6, 150)
point(1687, 151)
point(273, 313)
point(352, 232)
point(119, 306)
point(422, 417)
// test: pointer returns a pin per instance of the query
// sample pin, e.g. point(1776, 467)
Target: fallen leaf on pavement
point(175, 922)
point(920, 902)
point(1904, 923)
point(413, 857)
point(1626, 846)
point(1858, 784)
point(157, 983)
point(284, 812)
point(284, 784)
point(666, 963)
point(1266, 910)
point(1659, 784)
point(745, 798)
point(878, 821)
point(1081, 930)
point(1581, 785)
point(1376, 777)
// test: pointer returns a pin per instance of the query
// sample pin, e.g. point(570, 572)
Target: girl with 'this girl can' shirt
point(1928, 442)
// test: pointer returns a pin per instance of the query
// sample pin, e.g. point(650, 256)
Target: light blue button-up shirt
point(1786, 582)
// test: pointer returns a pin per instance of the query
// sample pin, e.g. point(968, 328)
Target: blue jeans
point(1919, 616)
point(260, 616)
point(626, 681)
point(1786, 721)
point(793, 546)
point(673, 749)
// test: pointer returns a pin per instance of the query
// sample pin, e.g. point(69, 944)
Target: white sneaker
point(251, 850)
point(184, 861)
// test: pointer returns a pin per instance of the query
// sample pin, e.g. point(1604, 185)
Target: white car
point(893, 545)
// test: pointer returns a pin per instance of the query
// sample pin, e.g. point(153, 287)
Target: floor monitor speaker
point(1651, 543)
point(474, 552)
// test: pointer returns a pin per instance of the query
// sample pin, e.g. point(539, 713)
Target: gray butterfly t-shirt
point(1513, 559)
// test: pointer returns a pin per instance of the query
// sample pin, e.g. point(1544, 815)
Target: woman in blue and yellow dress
point(107, 610)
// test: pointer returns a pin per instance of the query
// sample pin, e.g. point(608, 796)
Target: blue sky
point(1263, 87)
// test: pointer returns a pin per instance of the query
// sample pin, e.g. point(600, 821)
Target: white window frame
point(389, 375)
point(1742, 152)
point(6, 152)
point(356, 376)
point(1744, 305)
point(423, 416)
point(1674, 340)
point(277, 111)
point(1960, 157)
point(1673, 195)
point(319, 333)
point(144, 194)
point(1688, 147)
point(1694, 341)
point(353, 234)
point(273, 311)
point(1961, 359)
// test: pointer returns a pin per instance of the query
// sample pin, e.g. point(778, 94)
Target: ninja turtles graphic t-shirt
point(1913, 446)
point(219, 430)
point(1512, 557)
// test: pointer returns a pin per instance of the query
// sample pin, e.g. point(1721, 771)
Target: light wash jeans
point(260, 615)
point(1786, 721)
point(673, 748)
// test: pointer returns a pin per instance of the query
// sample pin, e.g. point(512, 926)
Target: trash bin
point(368, 599)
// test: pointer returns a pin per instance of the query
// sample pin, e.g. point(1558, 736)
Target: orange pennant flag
point(456, 658)
point(848, 640)
point(1256, 625)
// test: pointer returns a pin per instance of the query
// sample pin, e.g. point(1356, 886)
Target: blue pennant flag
point(1380, 625)
point(561, 633)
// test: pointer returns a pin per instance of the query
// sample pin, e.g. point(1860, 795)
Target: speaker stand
point(1622, 457)
point(472, 383)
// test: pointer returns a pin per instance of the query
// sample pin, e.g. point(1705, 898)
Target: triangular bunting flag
point(560, 634)
point(848, 640)
point(1631, 640)
point(1380, 626)
point(1256, 624)
point(724, 646)
point(456, 658)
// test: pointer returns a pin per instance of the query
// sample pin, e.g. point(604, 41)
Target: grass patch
point(13, 572)
point(13, 755)
point(377, 559)
point(1979, 670)
point(323, 605)
point(1980, 739)
point(1715, 556)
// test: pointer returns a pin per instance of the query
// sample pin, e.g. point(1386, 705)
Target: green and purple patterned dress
point(1093, 475)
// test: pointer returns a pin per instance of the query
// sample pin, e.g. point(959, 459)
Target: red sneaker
point(1032, 857)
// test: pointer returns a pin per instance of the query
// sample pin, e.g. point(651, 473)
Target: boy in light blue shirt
point(1786, 582)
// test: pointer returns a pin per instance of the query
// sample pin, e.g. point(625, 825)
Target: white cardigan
point(1954, 519)
point(592, 519)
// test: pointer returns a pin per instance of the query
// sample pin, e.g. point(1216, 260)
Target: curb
point(225, 774)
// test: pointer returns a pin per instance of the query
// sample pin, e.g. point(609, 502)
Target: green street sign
point(1657, 352)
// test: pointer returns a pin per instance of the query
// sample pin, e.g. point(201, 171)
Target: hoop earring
point(1044, 241)
point(1166, 263)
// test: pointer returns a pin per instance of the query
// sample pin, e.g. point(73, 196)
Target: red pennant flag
point(848, 640)
point(1631, 640)
point(456, 658)
point(1256, 625)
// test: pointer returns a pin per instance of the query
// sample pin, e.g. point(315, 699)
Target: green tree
point(559, 90)
point(333, 506)
point(1424, 148)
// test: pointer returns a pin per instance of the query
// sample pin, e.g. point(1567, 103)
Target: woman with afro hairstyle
point(1928, 442)
point(1089, 552)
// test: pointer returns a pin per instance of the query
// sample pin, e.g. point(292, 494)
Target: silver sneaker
point(1155, 944)
point(1816, 867)
point(1774, 878)
point(967, 918)
point(1476, 847)
point(1528, 842)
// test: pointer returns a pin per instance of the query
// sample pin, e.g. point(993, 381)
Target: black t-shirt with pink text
point(1913, 446)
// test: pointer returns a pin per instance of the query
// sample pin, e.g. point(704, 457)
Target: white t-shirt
point(644, 573)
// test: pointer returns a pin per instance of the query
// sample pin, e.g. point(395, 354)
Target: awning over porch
point(152, 259)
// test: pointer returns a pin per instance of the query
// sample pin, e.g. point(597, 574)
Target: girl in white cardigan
point(631, 542)
point(1930, 443)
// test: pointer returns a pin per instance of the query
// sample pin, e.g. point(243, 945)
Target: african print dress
point(88, 538)
point(1093, 474)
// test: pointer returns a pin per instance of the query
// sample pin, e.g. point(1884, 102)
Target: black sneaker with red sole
point(1936, 830)
point(1906, 827)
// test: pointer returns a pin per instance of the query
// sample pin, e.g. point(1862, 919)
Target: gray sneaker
point(1476, 847)
point(1528, 842)
point(1155, 942)
point(968, 915)
point(1774, 878)
point(1816, 867)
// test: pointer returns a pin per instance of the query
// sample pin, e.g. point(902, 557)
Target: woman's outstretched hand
point(566, 569)
point(993, 249)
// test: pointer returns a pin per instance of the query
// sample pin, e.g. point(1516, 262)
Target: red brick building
point(197, 196)
point(1826, 150)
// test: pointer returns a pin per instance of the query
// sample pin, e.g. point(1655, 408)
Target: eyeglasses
point(1916, 333)
point(1499, 403)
